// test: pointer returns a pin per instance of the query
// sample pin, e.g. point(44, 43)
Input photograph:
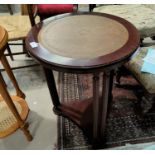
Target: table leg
point(95, 109)
point(106, 99)
point(11, 76)
point(110, 98)
point(52, 88)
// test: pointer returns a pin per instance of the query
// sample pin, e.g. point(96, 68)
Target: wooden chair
point(13, 109)
point(47, 10)
point(17, 26)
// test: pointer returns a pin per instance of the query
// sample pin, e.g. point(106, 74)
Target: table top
point(3, 37)
point(83, 40)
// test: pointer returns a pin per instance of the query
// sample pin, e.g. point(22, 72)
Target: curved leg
point(23, 126)
point(11, 76)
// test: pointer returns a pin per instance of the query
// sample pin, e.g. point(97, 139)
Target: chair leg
point(3, 80)
point(119, 74)
point(23, 126)
point(153, 38)
point(91, 7)
point(9, 51)
point(118, 77)
point(147, 102)
point(24, 48)
point(11, 76)
point(141, 42)
point(10, 9)
point(122, 71)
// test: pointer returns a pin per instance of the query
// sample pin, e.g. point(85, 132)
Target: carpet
point(124, 125)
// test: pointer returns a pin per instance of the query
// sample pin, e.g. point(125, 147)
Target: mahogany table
point(84, 43)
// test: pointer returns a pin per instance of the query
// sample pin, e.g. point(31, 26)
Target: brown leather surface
point(3, 37)
point(85, 36)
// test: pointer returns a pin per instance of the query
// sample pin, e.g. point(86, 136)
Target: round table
point(84, 43)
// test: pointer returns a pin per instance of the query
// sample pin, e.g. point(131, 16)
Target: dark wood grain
point(52, 87)
point(96, 108)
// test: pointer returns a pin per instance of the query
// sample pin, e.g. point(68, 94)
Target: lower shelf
point(8, 123)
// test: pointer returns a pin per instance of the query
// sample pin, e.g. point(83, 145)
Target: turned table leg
point(110, 96)
point(95, 109)
point(101, 107)
point(106, 100)
point(11, 76)
point(23, 126)
point(52, 88)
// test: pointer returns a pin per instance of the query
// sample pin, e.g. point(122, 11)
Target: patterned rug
point(124, 125)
